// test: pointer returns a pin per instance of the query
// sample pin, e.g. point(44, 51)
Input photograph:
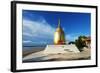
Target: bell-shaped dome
point(59, 36)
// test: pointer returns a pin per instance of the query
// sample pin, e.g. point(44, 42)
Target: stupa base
point(56, 49)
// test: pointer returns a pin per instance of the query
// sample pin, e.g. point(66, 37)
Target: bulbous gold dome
point(59, 29)
point(59, 36)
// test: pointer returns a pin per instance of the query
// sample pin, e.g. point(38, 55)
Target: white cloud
point(37, 29)
point(28, 41)
point(27, 34)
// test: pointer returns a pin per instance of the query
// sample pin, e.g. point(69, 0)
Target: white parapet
point(54, 49)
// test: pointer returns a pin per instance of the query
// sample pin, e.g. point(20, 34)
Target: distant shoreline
point(30, 49)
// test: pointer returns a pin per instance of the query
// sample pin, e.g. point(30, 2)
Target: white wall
point(5, 37)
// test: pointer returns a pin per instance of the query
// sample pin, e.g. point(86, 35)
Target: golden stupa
point(59, 36)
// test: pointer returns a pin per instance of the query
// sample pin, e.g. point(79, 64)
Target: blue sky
point(39, 26)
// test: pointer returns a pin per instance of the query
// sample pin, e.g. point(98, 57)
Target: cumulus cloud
point(37, 31)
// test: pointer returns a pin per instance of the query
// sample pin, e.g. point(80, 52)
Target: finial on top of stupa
point(59, 22)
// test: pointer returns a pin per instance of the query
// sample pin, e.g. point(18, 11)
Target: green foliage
point(80, 43)
point(72, 42)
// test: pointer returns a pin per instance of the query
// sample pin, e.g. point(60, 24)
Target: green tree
point(72, 42)
point(80, 43)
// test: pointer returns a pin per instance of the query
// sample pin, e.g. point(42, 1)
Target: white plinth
point(54, 49)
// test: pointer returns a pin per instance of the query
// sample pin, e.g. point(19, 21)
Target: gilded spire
point(59, 22)
point(59, 37)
